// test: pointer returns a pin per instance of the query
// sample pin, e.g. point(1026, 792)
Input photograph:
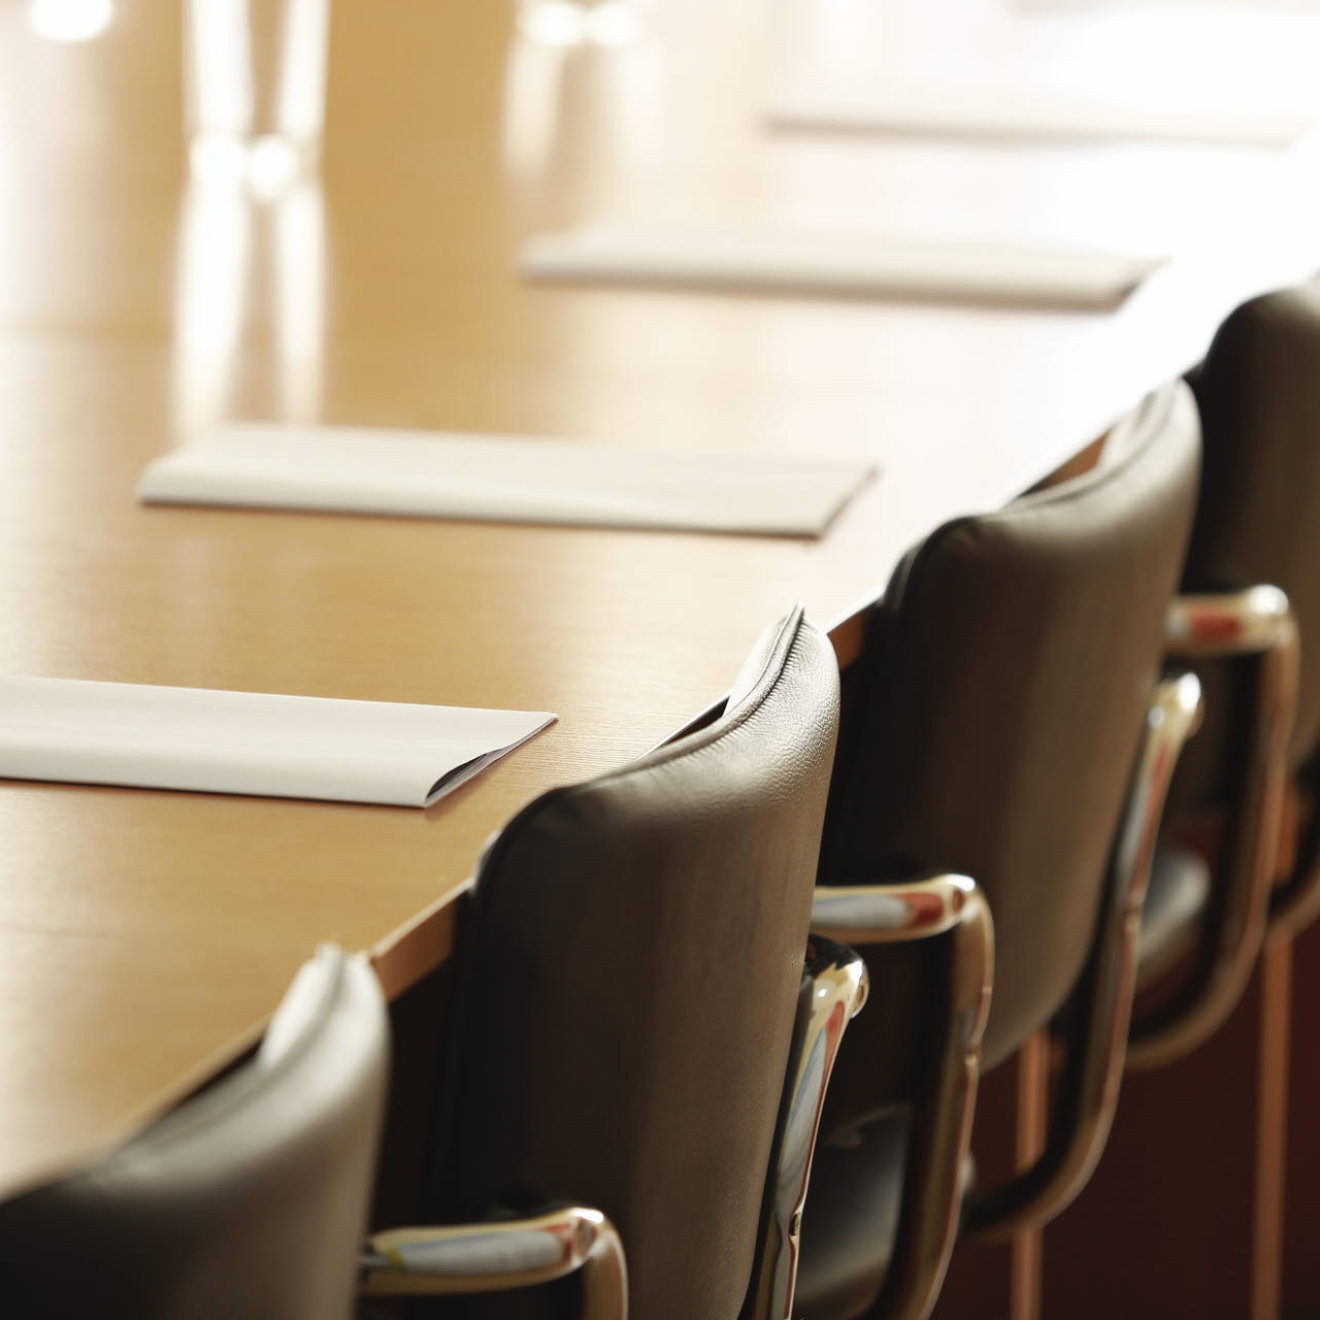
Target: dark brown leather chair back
point(246, 1203)
point(991, 724)
point(635, 957)
point(1258, 520)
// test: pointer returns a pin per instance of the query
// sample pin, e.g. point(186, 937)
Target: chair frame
point(1295, 901)
point(518, 1253)
point(933, 1187)
point(1093, 1032)
point(513, 1253)
point(1255, 624)
point(838, 988)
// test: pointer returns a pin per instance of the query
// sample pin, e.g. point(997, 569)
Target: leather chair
point(1005, 719)
point(633, 1028)
point(1255, 548)
point(248, 1201)
point(245, 1203)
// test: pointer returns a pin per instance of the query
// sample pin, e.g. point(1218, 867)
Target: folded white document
point(207, 741)
point(804, 262)
point(993, 115)
point(503, 479)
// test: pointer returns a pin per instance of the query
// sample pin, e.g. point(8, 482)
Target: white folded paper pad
point(797, 262)
point(994, 115)
point(503, 479)
point(390, 753)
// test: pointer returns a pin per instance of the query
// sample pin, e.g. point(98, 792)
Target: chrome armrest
point(1174, 716)
point(1232, 623)
point(1254, 623)
point(489, 1257)
point(941, 1131)
point(941, 1127)
point(835, 993)
point(892, 913)
point(1096, 1039)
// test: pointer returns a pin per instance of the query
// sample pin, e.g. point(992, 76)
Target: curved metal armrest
point(941, 1128)
point(892, 913)
point(515, 1253)
point(835, 993)
point(1230, 623)
point(1096, 1039)
point(1258, 623)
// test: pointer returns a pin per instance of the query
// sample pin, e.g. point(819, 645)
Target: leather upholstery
point(848, 1234)
point(633, 966)
point(1258, 519)
point(246, 1203)
point(991, 724)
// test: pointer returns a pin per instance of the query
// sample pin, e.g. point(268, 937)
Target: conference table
point(145, 936)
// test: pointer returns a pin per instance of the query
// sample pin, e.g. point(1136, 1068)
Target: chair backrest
point(245, 1203)
point(634, 962)
point(1258, 518)
point(992, 722)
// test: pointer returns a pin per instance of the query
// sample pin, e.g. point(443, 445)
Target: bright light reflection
point(214, 255)
point(532, 81)
point(611, 23)
point(567, 23)
point(299, 294)
point(226, 96)
point(553, 22)
point(301, 112)
point(273, 164)
point(70, 20)
point(218, 160)
point(219, 66)
point(218, 299)
point(270, 166)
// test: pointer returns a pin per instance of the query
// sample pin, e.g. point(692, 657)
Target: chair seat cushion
point(1178, 894)
point(851, 1222)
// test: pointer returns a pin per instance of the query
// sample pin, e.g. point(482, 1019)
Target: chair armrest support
point(949, 906)
point(1226, 624)
point(1266, 630)
point(490, 1257)
point(941, 1127)
point(892, 913)
point(1096, 1040)
point(836, 991)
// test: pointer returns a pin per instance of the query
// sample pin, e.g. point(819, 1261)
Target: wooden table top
point(144, 936)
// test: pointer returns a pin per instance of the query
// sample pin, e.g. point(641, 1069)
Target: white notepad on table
point(998, 116)
point(503, 479)
point(754, 259)
point(134, 735)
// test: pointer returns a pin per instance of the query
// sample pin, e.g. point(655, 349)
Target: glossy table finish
point(144, 936)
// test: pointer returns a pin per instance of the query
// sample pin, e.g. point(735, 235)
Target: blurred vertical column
point(567, 23)
point(255, 75)
point(252, 257)
point(547, 35)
